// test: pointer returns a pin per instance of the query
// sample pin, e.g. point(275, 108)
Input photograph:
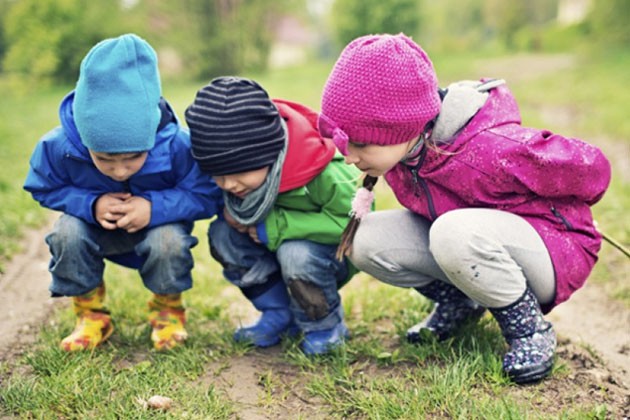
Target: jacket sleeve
point(331, 192)
point(555, 166)
point(50, 185)
point(194, 195)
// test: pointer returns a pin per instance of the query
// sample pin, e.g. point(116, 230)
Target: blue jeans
point(254, 269)
point(161, 254)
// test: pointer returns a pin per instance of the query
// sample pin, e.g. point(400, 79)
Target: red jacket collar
point(308, 153)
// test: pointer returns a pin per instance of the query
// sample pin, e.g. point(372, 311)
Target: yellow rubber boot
point(167, 317)
point(94, 324)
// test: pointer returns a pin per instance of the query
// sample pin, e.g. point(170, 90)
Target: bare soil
point(593, 331)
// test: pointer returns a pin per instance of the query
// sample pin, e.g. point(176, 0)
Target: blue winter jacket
point(62, 176)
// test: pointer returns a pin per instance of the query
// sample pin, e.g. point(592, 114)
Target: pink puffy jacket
point(494, 162)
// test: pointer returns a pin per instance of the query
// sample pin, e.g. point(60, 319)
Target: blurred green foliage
point(213, 37)
point(353, 18)
point(609, 21)
point(45, 40)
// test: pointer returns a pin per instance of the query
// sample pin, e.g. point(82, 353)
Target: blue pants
point(254, 269)
point(161, 254)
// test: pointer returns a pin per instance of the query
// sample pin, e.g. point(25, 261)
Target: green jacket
point(319, 211)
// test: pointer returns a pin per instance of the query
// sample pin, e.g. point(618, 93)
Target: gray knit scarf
point(256, 205)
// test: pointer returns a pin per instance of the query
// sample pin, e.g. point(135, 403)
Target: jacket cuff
point(262, 233)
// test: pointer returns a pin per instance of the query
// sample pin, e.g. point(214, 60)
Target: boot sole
point(531, 375)
point(268, 341)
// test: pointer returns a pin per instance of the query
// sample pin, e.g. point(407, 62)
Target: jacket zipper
point(78, 159)
point(417, 180)
point(565, 222)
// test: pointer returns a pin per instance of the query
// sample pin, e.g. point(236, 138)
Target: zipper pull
point(414, 173)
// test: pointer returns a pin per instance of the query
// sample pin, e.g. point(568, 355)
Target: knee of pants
point(235, 250)
point(450, 239)
point(311, 275)
point(167, 242)
point(68, 232)
point(300, 259)
point(224, 241)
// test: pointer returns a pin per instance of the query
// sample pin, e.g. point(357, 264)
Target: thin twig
point(616, 244)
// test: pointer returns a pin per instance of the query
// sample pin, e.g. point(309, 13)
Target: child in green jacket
point(287, 198)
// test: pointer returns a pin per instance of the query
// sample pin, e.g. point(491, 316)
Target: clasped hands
point(122, 210)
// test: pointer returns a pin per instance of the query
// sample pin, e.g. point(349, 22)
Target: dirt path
point(24, 294)
point(591, 319)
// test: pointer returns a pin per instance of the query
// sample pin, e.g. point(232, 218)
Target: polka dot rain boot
point(532, 340)
point(452, 309)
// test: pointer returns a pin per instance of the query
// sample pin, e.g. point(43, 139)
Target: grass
point(25, 118)
point(378, 375)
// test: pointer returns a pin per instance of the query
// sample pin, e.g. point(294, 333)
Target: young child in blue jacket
point(120, 170)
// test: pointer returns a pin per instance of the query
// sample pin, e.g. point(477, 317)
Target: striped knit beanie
point(234, 127)
point(382, 90)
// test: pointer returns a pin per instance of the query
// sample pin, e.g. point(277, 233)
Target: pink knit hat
point(382, 90)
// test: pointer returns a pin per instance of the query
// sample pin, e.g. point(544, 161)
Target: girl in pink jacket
point(497, 215)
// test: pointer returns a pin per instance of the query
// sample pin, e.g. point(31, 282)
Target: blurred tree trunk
point(232, 36)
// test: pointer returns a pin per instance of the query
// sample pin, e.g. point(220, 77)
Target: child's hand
point(136, 214)
point(253, 233)
point(233, 223)
point(104, 212)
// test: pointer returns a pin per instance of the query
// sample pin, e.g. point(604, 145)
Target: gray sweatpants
point(490, 255)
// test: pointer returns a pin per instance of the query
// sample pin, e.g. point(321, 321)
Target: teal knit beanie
point(116, 100)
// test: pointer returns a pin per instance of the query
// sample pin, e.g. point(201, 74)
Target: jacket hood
point(308, 152)
point(66, 116)
point(499, 108)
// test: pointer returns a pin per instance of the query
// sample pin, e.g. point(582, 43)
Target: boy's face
point(118, 166)
point(242, 183)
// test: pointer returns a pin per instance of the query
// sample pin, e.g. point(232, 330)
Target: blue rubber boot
point(322, 342)
point(452, 309)
point(532, 340)
point(276, 319)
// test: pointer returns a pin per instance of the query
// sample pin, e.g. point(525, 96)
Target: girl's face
point(376, 160)
point(242, 183)
point(118, 166)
